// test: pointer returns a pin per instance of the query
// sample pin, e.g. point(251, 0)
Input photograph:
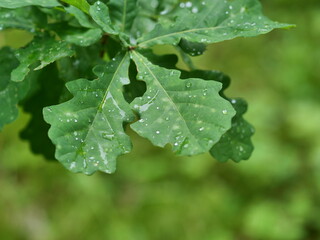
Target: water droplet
point(107, 136)
point(188, 85)
point(157, 132)
point(205, 91)
point(225, 111)
point(194, 10)
point(201, 129)
point(188, 4)
point(72, 165)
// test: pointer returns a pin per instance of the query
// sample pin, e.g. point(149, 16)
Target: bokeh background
point(155, 195)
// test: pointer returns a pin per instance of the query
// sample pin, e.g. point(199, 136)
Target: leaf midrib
point(177, 33)
point(124, 15)
point(101, 105)
point(172, 102)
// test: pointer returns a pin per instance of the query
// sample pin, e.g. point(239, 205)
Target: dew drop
point(224, 111)
point(107, 136)
point(194, 10)
point(205, 91)
point(188, 4)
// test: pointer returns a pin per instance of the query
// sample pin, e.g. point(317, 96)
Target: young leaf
point(193, 49)
point(212, 21)
point(236, 143)
point(100, 14)
point(188, 114)
point(88, 130)
point(45, 50)
point(10, 92)
point(24, 3)
point(123, 13)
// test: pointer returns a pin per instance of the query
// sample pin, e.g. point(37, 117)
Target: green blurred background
point(156, 195)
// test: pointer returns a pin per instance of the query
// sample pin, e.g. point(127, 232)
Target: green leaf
point(211, 21)
point(236, 143)
point(45, 50)
point(48, 93)
point(167, 61)
point(83, 38)
point(81, 64)
point(193, 49)
point(82, 18)
point(88, 130)
point(123, 13)
point(148, 14)
point(83, 5)
point(100, 14)
point(26, 18)
point(10, 92)
point(188, 114)
point(24, 3)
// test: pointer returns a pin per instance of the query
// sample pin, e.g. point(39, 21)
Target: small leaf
point(45, 50)
point(24, 3)
point(236, 143)
point(193, 49)
point(188, 114)
point(167, 61)
point(88, 130)
point(10, 92)
point(211, 21)
point(100, 14)
point(83, 5)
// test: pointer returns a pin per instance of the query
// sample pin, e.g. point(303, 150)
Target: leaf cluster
point(90, 72)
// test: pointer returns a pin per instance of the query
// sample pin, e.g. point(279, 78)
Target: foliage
point(187, 110)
